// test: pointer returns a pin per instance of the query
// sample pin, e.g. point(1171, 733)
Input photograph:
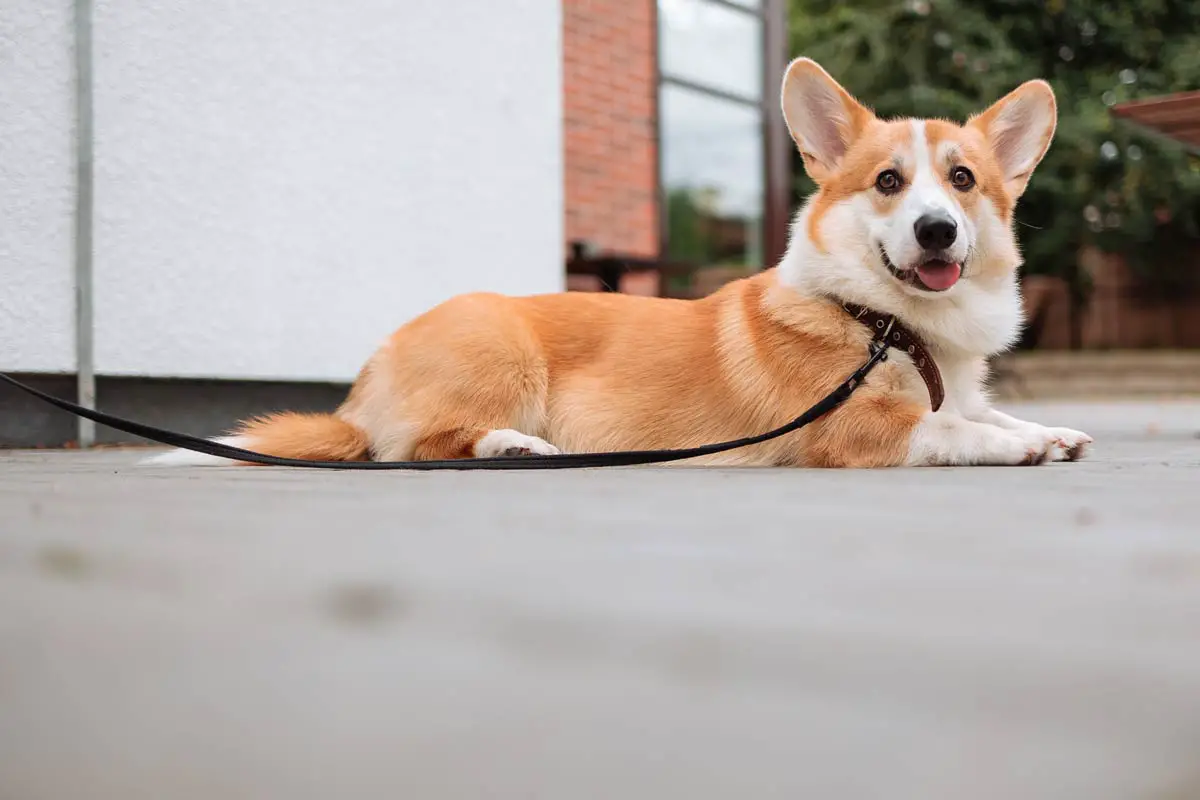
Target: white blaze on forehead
point(948, 151)
point(927, 192)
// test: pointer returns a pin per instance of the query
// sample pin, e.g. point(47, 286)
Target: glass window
point(711, 45)
point(712, 175)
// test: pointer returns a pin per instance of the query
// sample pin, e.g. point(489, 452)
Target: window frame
point(776, 152)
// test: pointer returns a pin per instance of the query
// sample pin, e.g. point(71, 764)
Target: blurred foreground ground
point(634, 633)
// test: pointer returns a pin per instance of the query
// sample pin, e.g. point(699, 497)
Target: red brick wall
point(609, 93)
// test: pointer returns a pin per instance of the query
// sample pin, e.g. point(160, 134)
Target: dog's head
point(924, 204)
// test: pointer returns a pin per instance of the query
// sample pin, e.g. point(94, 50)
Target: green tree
point(1103, 183)
point(684, 227)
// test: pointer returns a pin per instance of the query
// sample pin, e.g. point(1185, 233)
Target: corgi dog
point(912, 219)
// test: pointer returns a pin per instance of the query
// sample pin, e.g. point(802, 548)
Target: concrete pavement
point(644, 632)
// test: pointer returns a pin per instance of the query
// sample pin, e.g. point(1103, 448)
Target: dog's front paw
point(944, 439)
point(1036, 444)
point(1061, 444)
point(1013, 448)
point(1072, 445)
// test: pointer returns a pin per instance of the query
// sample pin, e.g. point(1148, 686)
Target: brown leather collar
point(903, 339)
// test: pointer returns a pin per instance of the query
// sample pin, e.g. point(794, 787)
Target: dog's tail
point(314, 437)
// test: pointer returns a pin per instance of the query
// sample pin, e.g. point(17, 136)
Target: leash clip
point(880, 343)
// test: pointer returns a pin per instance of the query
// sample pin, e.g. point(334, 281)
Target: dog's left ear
point(1019, 127)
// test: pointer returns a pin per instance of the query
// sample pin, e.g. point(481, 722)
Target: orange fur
point(873, 151)
point(595, 372)
point(598, 372)
point(967, 146)
point(318, 437)
point(872, 145)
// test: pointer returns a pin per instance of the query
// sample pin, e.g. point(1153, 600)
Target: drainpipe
point(84, 345)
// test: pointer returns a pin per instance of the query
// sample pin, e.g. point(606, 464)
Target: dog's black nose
point(935, 231)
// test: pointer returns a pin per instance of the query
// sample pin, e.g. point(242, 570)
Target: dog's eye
point(888, 181)
point(962, 179)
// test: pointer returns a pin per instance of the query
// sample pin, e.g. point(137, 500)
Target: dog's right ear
point(823, 118)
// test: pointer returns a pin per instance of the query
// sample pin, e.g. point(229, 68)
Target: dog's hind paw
point(507, 442)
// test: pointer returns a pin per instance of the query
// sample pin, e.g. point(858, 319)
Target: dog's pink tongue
point(940, 275)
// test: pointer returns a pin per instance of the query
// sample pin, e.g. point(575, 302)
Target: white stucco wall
point(280, 185)
point(37, 186)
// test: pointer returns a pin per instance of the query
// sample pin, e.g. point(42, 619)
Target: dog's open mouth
point(932, 275)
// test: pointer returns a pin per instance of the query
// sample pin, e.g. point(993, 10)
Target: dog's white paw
point(1073, 443)
point(1023, 448)
point(506, 442)
point(943, 439)
point(1062, 444)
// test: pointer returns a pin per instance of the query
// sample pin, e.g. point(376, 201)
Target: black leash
point(878, 352)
